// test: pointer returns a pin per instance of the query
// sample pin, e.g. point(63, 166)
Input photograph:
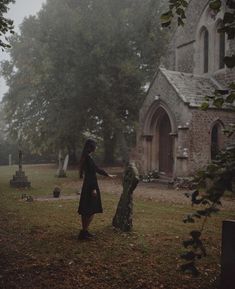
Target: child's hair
point(90, 146)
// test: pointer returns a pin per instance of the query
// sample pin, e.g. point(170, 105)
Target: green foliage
point(211, 183)
point(6, 25)
point(222, 99)
point(215, 5)
point(176, 8)
point(214, 181)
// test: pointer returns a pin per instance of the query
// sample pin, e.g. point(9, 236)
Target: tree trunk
point(124, 150)
point(73, 160)
point(109, 147)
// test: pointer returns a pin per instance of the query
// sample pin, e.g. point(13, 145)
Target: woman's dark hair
point(89, 147)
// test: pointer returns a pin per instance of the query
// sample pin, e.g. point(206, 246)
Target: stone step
point(161, 180)
point(165, 181)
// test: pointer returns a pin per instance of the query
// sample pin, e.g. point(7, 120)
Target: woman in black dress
point(90, 200)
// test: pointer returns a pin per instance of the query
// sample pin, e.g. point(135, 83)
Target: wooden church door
point(165, 146)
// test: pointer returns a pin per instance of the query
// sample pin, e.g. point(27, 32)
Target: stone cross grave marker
point(19, 180)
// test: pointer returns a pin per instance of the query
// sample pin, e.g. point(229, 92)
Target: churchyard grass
point(39, 247)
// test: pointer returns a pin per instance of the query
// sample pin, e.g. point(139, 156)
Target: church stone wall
point(200, 136)
point(192, 126)
point(180, 55)
point(183, 49)
point(180, 115)
point(161, 88)
point(194, 11)
point(225, 77)
point(184, 58)
point(169, 59)
point(185, 37)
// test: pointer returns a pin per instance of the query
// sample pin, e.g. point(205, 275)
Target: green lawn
point(39, 247)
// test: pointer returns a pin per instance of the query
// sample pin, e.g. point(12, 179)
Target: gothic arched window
point(211, 44)
point(220, 45)
point(221, 49)
point(216, 141)
point(205, 37)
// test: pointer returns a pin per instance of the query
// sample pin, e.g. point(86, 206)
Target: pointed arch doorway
point(159, 140)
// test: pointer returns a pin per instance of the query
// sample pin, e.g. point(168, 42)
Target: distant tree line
point(80, 68)
point(9, 149)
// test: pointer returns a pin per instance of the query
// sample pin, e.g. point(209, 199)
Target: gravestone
point(228, 255)
point(66, 161)
point(20, 180)
point(123, 217)
point(61, 173)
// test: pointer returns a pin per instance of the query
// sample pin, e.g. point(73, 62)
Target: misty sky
point(17, 12)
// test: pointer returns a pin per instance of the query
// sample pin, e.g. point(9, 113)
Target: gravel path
point(150, 191)
point(158, 192)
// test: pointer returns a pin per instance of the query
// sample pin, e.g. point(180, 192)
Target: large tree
point(81, 67)
point(121, 63)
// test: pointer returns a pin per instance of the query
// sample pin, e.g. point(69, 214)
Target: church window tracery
point(221, 46)
point(205, 50)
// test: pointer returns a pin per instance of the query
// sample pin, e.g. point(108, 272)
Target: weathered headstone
point(123, 217)
point(66, 161)
point(19, 180)
point(60, 172)
point(228, 255)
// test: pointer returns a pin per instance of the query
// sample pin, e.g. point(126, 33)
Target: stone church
point(176, 137)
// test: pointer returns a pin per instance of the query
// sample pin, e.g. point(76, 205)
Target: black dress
point(90, 204)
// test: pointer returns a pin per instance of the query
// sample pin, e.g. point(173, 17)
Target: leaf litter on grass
point(40, 250)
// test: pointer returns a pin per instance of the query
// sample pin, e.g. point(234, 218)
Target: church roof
point(191, 88)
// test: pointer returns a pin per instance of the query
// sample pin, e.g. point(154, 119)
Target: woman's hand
point(112, 176)
point(94, 193)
